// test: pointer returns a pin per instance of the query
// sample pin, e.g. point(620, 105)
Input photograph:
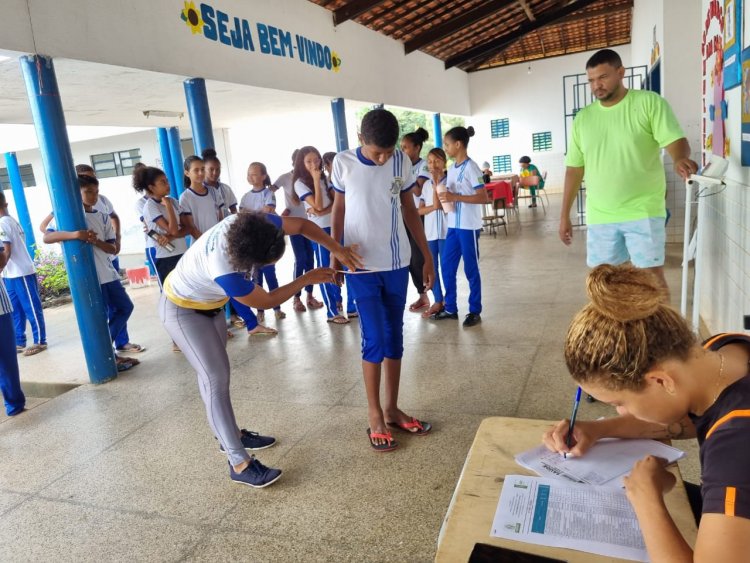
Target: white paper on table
point(604, 464)
point(557, 514)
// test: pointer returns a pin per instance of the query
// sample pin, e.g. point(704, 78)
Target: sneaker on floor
point(253, 441)
point(442, 315)
point(472, 319)
point(255, 475)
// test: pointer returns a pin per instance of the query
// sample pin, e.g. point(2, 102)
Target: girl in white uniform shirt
point(466, 190)
point(435, 221)
point(311, 188)
point(202, 207)
point(373, 203)
point(212, 182)
point(261, 198)
point(411, 145)
point(161, 214)
point(213, 269)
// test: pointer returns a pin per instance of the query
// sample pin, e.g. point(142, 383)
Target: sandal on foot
point(175, 348)
point(34, 349)
point(124, 364)
point(434, 310)
point(262, 330)
point(238, 322)
point(298, 306)
point(20, 349)
point(280, 314)
point(130, 347)
point(389, 446)
point(314, 303)
point(338, 320)
point(422, 428)
point(230, 335)
point(418, 305)
point(352, 314)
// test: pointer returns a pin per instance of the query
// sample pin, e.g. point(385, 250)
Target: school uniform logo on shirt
point(397, 184)
point(237, 32)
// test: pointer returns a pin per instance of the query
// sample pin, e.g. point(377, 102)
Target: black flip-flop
point(421, 426)
point(389, 446)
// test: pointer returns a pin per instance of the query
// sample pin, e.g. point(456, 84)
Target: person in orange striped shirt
point(630, 350)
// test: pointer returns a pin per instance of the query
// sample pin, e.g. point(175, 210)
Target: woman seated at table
point(528, 169)
point(627, 348)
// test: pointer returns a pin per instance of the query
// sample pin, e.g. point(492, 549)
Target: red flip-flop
point(421, 426)
point(389, 446)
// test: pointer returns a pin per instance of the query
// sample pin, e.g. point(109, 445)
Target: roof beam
point(525, 6)
point(596, 12)
point(351, 10)
point(496, 45)
point(455, 25)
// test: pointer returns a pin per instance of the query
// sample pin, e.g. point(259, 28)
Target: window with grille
point(119, 163)
point(501, 164)
point(541, 141)
point(500, 128)
point(27, 177)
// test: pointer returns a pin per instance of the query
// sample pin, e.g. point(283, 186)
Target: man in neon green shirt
point(616, 144)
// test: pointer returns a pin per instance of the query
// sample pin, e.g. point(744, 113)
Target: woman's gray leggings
point(202, 340)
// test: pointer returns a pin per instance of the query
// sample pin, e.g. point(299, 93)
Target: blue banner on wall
point(732, 43)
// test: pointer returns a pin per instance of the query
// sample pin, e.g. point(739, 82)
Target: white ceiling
point(104, 95)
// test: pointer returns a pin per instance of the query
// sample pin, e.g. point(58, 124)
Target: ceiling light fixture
point(162, 113)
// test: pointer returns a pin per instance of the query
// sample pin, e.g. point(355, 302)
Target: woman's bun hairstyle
point(624, 293)
point(470, 131)
point(209, 154)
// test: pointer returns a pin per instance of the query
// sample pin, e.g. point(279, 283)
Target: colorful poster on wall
point(746, 107)
point(733, 23)
point(713, 40)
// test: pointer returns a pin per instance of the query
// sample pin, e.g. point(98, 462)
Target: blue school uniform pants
point(24, 296)
point(119, 306)
point(269, 274)
point(244, 312)
point(331, 292)
point(461, 243)
point(10, 382)
point(304, 260)
point(436, 249)
point(380, 299)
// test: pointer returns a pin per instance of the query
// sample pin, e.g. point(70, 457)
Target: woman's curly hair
point(253, 241)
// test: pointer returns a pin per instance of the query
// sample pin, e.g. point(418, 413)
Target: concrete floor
point(130, 471)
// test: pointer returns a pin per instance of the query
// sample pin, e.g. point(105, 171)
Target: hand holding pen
point(571, 427)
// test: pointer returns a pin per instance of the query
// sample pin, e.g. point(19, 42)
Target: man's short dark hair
point(604, 57)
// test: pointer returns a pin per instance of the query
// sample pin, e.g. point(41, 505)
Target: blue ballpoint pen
point(576, 402)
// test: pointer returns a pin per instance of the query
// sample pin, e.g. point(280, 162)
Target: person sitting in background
point(528, 169)
point(486, 172)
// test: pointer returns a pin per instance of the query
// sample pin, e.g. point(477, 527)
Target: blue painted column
point(339, 124)
point(166, 158)
point(49, 122)
point(19, 198)
point(437, 130)
point(200, 116)
point(175, 157)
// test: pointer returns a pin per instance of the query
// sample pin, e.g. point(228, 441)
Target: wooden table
point(491, 458)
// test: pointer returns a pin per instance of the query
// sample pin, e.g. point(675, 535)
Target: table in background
point(501, 190)
point(491, 457)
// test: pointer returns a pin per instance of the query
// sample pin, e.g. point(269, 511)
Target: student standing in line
point(10, 381)
point(216, 267)
point(311, 188)
point(411, 145)
point(373, 203)
point(466, 189)
point(261, 198)
point(351, 307)
point(101, 236)
point(202, 207)
point(19, 278)
point(213, 181)
point(304, 255)
point(627, 348)
point(104, 205)
point(435, 221)
point(161, 214)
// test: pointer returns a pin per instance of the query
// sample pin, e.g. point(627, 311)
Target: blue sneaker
point(253, 441)
point(255, 475)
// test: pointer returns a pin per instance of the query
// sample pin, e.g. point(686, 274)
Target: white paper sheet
point(558, 514)
point(604, 464)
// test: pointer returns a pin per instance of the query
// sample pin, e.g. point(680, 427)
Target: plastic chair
point(138, 277)
point(528, 182)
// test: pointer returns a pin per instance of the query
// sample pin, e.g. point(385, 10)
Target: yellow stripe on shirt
point(189, 303)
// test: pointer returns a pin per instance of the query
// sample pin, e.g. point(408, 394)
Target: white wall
point(725, 295)
point(533, 103)
point(151, 35)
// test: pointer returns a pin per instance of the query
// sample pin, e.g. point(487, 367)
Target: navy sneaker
point(442, 315)
point(253, 441)
point(472, 319)
point(255, 475)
